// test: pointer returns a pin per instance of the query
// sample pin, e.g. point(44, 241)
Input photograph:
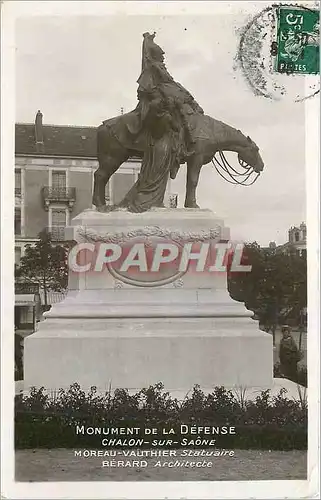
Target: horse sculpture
point(117, 140)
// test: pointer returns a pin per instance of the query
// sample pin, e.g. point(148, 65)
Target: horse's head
point(250, 154)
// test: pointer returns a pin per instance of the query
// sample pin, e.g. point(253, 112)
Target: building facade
point(54, 176)
point(297, 239)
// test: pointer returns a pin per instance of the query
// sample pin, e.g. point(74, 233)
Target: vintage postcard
point(160, 249)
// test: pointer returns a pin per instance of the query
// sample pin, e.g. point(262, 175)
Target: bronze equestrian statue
point(166, 129)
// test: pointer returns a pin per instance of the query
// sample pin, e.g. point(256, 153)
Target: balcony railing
point(26, 288)
point(57, 233)
point(60, 194)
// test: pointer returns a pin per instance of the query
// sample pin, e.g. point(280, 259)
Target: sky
point(80, 70)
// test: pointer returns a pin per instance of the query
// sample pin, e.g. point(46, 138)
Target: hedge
point(277, 423)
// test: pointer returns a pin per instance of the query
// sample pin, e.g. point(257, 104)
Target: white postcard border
point(87, 490)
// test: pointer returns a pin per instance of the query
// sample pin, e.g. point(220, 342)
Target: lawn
point(62, 465)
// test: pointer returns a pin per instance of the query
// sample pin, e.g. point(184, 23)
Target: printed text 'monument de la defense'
point(183, 429)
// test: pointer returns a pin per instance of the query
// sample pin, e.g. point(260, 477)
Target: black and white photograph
point(160, 249)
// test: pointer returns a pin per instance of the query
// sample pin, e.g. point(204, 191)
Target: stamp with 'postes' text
point(296, 49)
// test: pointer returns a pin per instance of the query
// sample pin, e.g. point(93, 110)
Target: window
point(17, 255)
point(59, 217)
point(26, 315)
point(297, 236)
point(59, 179)
point(17, 221)
point(58, 224)
point(17, 186)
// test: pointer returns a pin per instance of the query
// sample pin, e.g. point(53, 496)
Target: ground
point(62, 465)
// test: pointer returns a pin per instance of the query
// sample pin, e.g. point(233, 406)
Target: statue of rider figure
point(155, 82)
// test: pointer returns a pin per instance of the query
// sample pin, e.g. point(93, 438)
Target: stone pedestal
point(133, 329)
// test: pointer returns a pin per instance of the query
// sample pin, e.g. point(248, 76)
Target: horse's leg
point(194, 165)
point(107, 167)
point(101, 177)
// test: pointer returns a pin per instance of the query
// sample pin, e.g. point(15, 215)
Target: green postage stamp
point(297, 46)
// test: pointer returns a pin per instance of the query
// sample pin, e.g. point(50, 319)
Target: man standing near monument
point(289, 354)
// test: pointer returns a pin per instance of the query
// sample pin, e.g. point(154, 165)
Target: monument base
point(115, 332)
point(131, 354)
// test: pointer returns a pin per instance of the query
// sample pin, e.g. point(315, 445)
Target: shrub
point(265, 423)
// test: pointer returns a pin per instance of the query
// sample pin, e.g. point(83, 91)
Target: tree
point(45, 264)
point(276, 288)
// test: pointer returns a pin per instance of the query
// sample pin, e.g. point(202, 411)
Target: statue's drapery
point(163, 107)
point(160, 155)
